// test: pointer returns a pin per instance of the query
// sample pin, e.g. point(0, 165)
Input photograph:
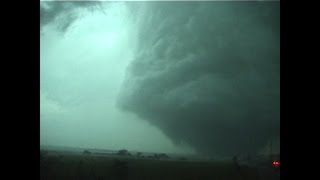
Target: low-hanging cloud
point(208, 73)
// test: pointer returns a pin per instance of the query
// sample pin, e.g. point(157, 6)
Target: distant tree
point(87, 152)
point(139, 154)
point(123, 152)
point(156, 156)
point(163, 156)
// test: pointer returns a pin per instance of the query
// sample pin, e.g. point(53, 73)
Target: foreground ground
point(90, 167)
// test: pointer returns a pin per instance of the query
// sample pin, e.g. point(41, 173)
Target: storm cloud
point(82, 65)
point(204, 74)
point(207, 73)
point(63, 13)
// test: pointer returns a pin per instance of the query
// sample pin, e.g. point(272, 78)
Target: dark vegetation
point(87, 152)
point(123, 152)
point(139, 154)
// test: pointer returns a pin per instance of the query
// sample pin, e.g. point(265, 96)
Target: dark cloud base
point(208, 74)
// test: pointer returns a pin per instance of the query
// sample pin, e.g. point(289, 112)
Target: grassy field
point(89, 167)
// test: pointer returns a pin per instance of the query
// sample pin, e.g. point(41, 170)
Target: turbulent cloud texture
point(82, 67)
point(207, 73)
point(63, 13)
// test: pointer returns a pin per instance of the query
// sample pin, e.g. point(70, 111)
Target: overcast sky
point(160, 76)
